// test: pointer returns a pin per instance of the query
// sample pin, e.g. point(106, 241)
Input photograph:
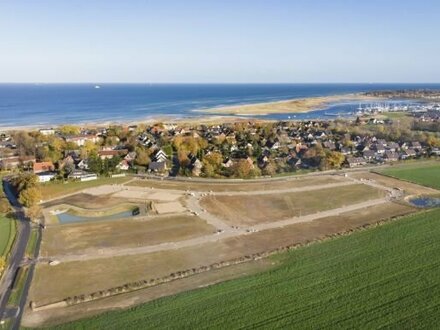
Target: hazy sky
point(219, 41)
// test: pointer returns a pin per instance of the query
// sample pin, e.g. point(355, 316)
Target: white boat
point(97, 86)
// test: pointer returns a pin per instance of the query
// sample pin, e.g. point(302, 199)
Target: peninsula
point(289, 106)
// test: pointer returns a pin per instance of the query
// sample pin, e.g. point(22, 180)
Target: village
point(242, 150)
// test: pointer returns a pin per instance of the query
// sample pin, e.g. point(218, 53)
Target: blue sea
point(52, 104)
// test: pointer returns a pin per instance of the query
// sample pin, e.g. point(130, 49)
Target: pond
point(71, 218)
point(425, 202)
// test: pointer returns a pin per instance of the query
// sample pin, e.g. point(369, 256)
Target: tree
point(25, 144)
point(334, 159)
point(34, 212)
point(95, 164)
point(242, 168)
point(142, 157)
point(24, 181)
point(270, 168)
point(69, 130)
point(2, 264)
point(5, 207)
point(30, 196)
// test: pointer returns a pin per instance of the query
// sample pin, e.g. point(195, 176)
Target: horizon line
point(215, 83)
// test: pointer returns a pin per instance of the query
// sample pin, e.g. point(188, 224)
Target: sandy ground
point(171, 207)
point(290, 106)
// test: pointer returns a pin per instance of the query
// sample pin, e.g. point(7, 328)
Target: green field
point(382, 277)
point(7, 234)
point(426, 175)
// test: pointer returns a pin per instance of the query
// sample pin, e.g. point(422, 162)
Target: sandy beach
point(289, 106)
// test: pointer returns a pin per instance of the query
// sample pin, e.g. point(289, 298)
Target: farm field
point(244, 185)
point(7, 234)
point(339, 283)
point(254, 209)
point(426, 175)
point(56, 283)
point(56, 189)
point(84, 237)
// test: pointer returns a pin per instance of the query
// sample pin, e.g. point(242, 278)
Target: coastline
point(225, 114)
point(208, 119)
point(287, 106)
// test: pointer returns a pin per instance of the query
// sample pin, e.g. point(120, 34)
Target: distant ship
point(97, 86)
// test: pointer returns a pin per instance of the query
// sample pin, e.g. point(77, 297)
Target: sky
point(226, 41)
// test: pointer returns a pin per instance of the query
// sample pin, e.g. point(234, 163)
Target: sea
point(42, 105)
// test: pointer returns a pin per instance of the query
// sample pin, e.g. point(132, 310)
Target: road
point(15, 260)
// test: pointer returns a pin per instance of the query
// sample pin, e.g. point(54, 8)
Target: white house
point(46, 176)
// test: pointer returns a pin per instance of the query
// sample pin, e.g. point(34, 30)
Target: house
point(47, 131)
point(435, 151)
point(408, 153)
point(345, 151)
point(83, 164)
point(228, 163)
point(43, 167)
point(196, 166)
point(83, 176)
point(46, 176)
point(157, 166)
point(80, 140)
point(393, 146)
point(355, 161)
point(160, 156)
point(123, 165)
point(391, 156)
point(369, 154)
point(380, 148)
point(329, 145)
point(10, 163)
point(416, 146)
point(131, 156)
point(109, 154)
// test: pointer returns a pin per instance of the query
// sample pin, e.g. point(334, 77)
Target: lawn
point(7, 234)
point(427, 175)
point(56, 189)
point(381, 277)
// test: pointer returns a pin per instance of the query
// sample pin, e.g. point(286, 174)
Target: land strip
point(289, 106)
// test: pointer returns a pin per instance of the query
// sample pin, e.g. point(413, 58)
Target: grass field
point(427, 175)
point(56, 189)
point(7, 234)
point(254, 209)
point(32, 243)
point(382, 277)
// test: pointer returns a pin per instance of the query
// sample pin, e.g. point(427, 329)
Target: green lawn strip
point(14, 298)
point(426, 175)
point(381, 277)
point(32, 243)
point(55, 189)
point(7, 234)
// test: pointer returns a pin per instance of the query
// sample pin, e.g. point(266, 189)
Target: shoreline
point(223, 114)
point(208, 119)
point(300, 105)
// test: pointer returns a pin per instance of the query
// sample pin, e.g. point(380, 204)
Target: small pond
point(71, 218)
point(425, 201)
